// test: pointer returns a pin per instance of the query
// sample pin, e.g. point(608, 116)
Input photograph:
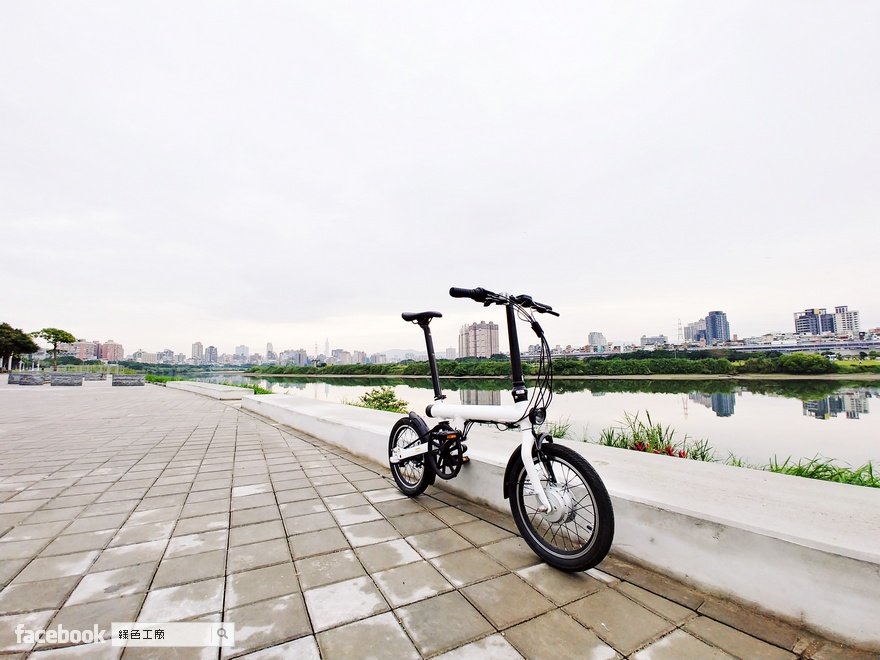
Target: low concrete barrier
point(802, 550)
point(128, 380)
point(31, 378)
point(65, 379)
point(222, 392)
point(14, 378)
point(93, 375)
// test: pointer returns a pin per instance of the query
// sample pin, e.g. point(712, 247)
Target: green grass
point(654, 438)
point(152, 378)
point(381, 398)
point(256, 388)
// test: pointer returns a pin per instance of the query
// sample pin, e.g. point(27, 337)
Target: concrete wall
point(222, 392)
point(66, 379)
point(802, 550)
point(128, 380)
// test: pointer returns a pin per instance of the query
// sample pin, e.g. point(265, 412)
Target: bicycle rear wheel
point(577, 533)
point(412, 475)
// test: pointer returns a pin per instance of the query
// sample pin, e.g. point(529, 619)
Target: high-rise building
point(813, 322)
point(597, 339)
point(696, 331)
point(85, 350)
point(451, 353)
point(198, 351)
point(845, 321)
point(717, 327)
point(478, 340)
point(242, 351)
point(211, 355)
point(111, 351)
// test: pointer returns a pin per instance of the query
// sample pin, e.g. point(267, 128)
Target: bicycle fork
point(525, 449)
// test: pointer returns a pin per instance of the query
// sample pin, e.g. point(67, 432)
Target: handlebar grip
point(478, 294)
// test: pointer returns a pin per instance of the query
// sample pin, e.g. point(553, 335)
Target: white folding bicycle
point(557, 499)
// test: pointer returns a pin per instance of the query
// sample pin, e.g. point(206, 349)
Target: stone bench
point(65, 379)
point(14, 378)
point(127, 380)
point(31, 378)
point(93, 375)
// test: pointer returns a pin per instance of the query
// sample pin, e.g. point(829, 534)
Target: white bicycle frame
point(459, 414)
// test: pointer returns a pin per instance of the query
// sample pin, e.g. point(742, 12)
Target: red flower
point(681, 453)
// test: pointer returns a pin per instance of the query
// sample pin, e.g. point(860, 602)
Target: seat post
point(432, 360)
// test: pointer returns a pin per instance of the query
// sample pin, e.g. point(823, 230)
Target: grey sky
point(244, 172)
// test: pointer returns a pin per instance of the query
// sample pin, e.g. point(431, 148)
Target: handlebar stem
point(519, 385)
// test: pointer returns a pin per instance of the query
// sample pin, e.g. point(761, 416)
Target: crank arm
point(399, 454)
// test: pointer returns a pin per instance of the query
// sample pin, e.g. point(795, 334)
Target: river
point(755, 421)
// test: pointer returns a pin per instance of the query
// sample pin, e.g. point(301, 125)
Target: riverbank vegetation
point(637, 363)
point(645, 435)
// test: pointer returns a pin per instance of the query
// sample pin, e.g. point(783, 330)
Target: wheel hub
point(561, 505)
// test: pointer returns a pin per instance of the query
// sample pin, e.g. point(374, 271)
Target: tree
point(55, 337)
point(14, 342)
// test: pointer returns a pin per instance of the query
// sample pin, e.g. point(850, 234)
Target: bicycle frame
point(461, 414)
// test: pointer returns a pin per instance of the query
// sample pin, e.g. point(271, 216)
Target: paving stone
point(410, 583)
point(417, 523)
point(381, 634)
point(31, 621)
point(317, 543)
point(382, 556)
point(46, 568)
point(769, 630)
point(735, 642)
point(261, 584)
point(440, 542)
point(559, 586)
point(297, 495)
point(345, 501)
point(265, 531)
point(309, 523)
point(255, 555)
point(143, 514)
point(129, 555)
point(620, 622)
point(513, 553)
point(443, 623)
point(371, 532)
point(70, 543)
point(832, 651)
point(453, 516)
point(54, 515)
point(328, 568)
point(267, 622)
point(652, 582)
point(182, 602)
point(356, 514)
point(209, 523)
point(257, 515)
point(506, 600)
point(101, 613)
point(129, 534)
point(467, 566)
point(556, 635)
point(181, 546)
point(343, 602)
point(25, 532)
point(302, 508)
point(110, 584)
point(190, 568)
point(22, 549)
point(678, 645)
point(304, 648)
point(657, 604)
point(480, 532)
point(39, 595)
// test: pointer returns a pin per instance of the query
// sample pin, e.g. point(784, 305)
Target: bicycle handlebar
point(488, 297)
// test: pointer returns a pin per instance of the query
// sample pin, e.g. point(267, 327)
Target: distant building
point(478, 340)
point(813, 322)
point(717, 328)
point(211, 356)
point(845, 321)
point(695, 332)
point(659, 340)
point(597, 339)
point(271, 355)
point(111, 351)
point(242, 351)
point(85, 350)
point(451, 353)
point(198, 351)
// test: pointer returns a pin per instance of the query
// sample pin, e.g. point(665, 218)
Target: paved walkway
point(152, 504)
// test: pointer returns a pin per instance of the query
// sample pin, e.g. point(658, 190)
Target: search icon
point(221, 633)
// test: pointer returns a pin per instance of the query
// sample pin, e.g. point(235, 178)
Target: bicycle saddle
point(420, 317)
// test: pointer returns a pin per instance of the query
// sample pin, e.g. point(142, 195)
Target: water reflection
point(721, 404)
point(852, 403)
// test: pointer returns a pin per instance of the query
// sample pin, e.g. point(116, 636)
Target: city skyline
point(171, 173)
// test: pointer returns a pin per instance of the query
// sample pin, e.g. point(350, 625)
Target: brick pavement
point(152, 504)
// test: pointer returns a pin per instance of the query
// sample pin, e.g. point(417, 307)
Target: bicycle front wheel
point(576, 533)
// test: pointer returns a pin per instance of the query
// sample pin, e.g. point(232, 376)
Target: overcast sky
point(244, 172)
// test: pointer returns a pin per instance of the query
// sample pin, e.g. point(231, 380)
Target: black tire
point(412, 475)
point(579, 538)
